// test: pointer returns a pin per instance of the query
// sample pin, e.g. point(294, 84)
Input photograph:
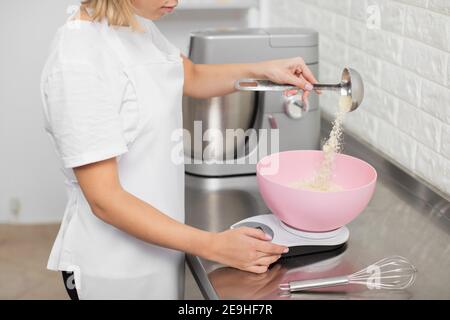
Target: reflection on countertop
point(405, 218)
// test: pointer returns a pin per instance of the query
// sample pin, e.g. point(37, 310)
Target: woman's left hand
point(290, 71)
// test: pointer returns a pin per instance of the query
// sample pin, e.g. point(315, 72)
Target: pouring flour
point(322, 180)
point(351, 91)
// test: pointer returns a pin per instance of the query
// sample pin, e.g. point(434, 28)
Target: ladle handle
point(334, 87)
point(267, 85)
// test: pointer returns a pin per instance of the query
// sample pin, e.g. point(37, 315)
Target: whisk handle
point(304, 285)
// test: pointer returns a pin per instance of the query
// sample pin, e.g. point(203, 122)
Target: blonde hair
point(117, 12)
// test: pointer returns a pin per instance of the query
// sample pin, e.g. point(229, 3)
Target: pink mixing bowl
point(315, 211)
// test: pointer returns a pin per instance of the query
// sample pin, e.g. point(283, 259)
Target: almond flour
point(322, 179)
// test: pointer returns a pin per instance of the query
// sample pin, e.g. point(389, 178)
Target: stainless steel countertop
point(405, 217)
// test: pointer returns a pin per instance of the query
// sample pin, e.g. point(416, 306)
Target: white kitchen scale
point(299, 242)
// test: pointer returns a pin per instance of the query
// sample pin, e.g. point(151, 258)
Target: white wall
point(405, 64)
point(195, 15)
point(179, 25)
point(28, 166)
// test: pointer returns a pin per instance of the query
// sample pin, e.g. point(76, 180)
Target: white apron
point(108, 263)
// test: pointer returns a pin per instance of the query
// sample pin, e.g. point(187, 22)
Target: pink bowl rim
point(313, 191)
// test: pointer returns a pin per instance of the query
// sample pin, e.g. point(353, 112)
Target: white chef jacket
point(112, 92)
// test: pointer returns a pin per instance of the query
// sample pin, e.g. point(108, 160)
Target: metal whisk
point(390, 273)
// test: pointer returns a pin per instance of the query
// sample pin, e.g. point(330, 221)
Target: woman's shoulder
point(79, 43)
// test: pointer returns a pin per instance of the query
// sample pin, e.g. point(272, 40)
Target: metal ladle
point(351, 85)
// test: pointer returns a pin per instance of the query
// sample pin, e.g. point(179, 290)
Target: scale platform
point(299, 242)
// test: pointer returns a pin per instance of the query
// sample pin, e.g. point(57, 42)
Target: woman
point(112, 90)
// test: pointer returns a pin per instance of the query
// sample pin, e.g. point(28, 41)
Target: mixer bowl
point(314, 211)
point(234, 111)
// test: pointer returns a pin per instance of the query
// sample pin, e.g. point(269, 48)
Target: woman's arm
point(213, 80)
point(245, 248)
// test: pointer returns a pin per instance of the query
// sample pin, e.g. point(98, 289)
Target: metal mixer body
point(226, 136)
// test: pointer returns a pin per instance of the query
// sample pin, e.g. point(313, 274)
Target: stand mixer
point(272, 120)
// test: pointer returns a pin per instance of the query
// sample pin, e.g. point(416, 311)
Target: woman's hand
point(246, 249)
point(289, 71)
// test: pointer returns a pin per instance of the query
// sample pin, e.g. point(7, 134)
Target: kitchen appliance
point(392, 273)
point(351, 85)
point(227, 136)
point(310, 221)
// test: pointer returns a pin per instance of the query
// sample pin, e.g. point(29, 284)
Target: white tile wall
point(405, 62)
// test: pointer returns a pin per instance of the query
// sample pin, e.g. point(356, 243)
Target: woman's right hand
point(247, 249)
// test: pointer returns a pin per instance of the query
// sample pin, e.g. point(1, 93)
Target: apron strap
point(115, 43)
